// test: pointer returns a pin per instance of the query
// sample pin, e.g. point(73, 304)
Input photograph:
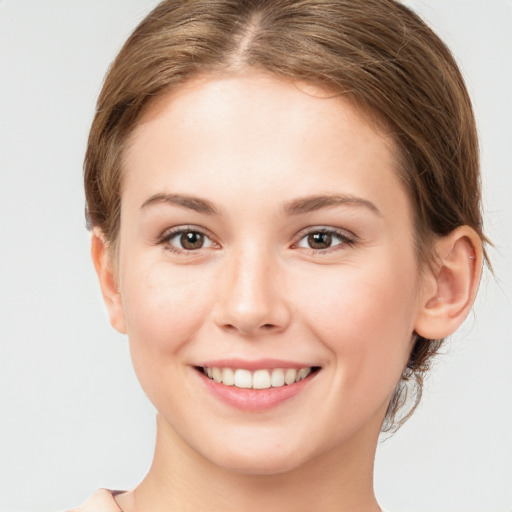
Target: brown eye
point(325, 240)
point(186, 240)
point(319, 240)
point(191, 240)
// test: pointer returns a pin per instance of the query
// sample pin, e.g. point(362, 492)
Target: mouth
point(258, 379)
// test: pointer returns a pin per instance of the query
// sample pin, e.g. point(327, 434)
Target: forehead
point(253, 132)
point(252, 91)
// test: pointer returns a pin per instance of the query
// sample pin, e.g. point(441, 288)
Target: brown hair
point(378, 52)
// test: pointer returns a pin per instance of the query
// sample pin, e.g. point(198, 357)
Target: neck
point(182, 479)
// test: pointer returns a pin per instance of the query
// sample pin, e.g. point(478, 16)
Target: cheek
point(365, 317)
point(164, 308)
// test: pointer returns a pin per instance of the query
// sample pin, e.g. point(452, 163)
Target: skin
point(253, 145)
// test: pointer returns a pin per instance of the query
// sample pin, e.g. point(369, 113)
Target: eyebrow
point(312, 203)
point(183, 201)
point(295, 207)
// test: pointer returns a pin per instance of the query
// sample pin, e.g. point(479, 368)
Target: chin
point(260, 465)
point(256, 458)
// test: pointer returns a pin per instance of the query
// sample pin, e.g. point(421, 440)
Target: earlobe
point(108, 285)
point(451, 286)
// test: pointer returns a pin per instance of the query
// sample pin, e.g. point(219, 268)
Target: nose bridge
point(251, 299)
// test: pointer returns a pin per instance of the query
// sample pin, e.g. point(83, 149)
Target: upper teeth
point(259, 379)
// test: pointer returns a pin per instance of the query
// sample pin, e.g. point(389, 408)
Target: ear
point(451, 285)
point(108, 285)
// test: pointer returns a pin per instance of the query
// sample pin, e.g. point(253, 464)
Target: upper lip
point(256, 364)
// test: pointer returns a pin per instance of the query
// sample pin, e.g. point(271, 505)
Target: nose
point(251, 297)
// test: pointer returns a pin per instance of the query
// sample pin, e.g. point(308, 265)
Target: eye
point(319, 240)
point(186, 240)
point(324, 239)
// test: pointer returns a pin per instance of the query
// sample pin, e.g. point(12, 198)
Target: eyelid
point(346, 237)
point(169, 234)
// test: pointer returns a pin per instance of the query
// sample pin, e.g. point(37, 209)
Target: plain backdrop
point(72, 415)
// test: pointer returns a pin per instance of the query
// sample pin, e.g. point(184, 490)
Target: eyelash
point(342, 237)
point(166, 238)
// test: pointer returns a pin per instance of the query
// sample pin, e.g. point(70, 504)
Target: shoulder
point(101, 501)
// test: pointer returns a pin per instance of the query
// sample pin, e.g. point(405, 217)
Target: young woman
point(284, 200)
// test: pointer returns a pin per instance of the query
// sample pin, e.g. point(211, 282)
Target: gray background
point(72, 416)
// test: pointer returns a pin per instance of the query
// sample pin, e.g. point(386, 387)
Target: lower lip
point(254, 399)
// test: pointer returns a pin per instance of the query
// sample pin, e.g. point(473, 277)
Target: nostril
point(249, 329)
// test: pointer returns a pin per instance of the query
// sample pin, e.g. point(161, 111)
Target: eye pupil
point(192, 240)
point(320, 240)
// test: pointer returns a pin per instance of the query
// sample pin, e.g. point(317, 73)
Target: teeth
point(277, 378)
point(243, 379)
point(259, 379)
point(289, 376)
point(301, 374)
point(228, 377)
point(217, 375)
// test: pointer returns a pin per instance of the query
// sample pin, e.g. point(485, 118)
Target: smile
point(258, 379)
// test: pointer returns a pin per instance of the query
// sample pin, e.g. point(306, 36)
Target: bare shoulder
point(101, 501)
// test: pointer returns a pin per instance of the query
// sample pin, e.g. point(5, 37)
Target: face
point(267, 275)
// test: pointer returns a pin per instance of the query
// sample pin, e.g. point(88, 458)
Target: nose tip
point(250, 314)
point(250, 300)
